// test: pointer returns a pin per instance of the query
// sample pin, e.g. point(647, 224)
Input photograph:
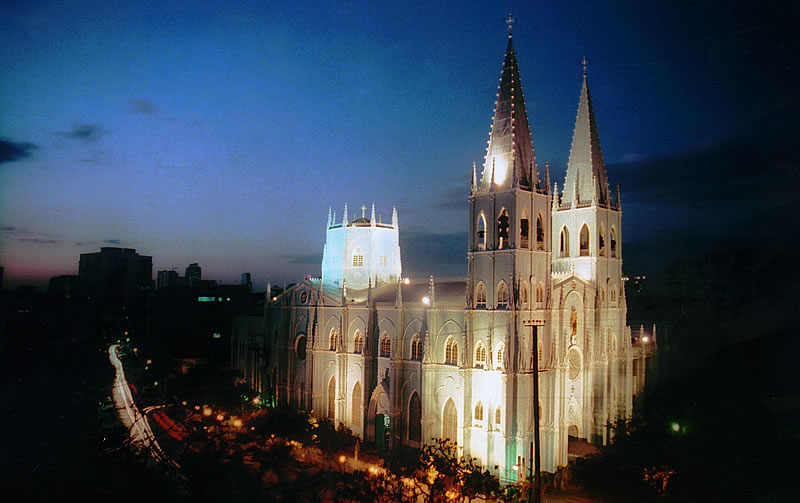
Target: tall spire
point(586, 172)
point(510, 146)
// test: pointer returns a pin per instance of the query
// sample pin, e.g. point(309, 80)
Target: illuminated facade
point(402, 361)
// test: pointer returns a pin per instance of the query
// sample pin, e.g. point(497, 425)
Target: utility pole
point(537, 480)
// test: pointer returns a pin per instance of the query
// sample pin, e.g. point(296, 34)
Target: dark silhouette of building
point(166, 279)
point(112, 274)
point(194, 274)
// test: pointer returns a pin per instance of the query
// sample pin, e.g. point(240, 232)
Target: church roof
point(586, 170)
point(510, 145)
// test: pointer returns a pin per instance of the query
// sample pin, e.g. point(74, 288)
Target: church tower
point(509, 208)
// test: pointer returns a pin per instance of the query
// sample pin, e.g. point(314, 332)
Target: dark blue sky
point(221, 132)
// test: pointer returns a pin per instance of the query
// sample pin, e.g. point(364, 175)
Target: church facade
point(402, 361)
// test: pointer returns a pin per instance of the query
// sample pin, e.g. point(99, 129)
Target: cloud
point(27, 236)
point(112, 241)
point(86, 132)
point(14, 151)
point(143, 107)
point(40, 241)
point(311, 258)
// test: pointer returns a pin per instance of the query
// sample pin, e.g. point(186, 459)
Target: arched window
point(502, 295)
point(498, 415)
point(584, 241)
point(334, 338)
point(539, 232)
point(300, 348)
point(523, 231)
point(355, 409)
point(502, 230)
point(416, 348)
point(602, 295)
point(332, 399)
point(358, 343)
point(358, 258)
point(613, 294)
point(479, 411)
point(451, 351)
point(415, 418)
point(523, 295)
point(601, 241)
point(613, 242)
point(480, 295)
point(498, 361)
point(564, 246)
point(480, 355)
point(450, 421)
point(385, 346)
point(539, 294)
point(480, 238)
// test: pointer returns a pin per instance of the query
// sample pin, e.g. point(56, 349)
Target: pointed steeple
point(344, 218)
point(586, 172)
point(329, 217)
point(394, 217)
point(372, 216)
point(474, 180)
point(510, 146)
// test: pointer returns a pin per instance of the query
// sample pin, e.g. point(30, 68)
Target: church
point(401, 361)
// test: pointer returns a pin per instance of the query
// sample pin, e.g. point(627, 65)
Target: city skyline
point(222, 135)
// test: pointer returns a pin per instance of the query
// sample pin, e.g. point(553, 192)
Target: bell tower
point(509, 240)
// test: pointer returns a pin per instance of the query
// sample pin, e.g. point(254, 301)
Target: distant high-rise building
point(167, 278)
point(113, 273)
point(194, 274)
point(246, 279)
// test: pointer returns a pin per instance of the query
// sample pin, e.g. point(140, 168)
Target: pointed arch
point(499, 354)
point(601, 241)
point(450, 421)
point(334, 339)
point(502, 230)
point(613, 296)
point(540, 232)
point(332, 399)
point(564, 242)
point(502, 295)
point(356, 406)
point(416, 347)
point(523, 294)
point(524, 230)
point(584, 241)
point(480, 295)
point(479, 411)
point(613, 241)
point(385, 346)
point(480, 354)
point(480, 234)
point(451, 351)
point(415, 418)
point(539, 294)
point(358, 343)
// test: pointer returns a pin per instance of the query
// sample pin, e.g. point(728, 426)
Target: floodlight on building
point(426, 300)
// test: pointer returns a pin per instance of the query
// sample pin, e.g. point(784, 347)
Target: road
point(141, 436)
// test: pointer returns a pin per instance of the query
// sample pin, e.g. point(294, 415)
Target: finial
point(344, 217)
point(585, 63)
point(474, 178)
point(372, 216)
point(363, 211)
point(510, 21)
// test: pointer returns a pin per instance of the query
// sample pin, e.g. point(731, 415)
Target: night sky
point(221, 132)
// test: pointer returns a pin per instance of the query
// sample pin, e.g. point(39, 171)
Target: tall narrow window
point(480, 355)
point(415, 418)
point(358, 343)
point(385, 346)
point(523, 232)
point(481, 234)
point(355, 409)
point(479, 411)
point(539, 232)
point(502, 296)
point(564, 247)
point(498, 415)
point(416, 348)
point(601, 241)
point(480, 295)
point(539, 294)
point(584, 241)
point(451, 351)
point(334, 339)
point(502, 230)
point(613, 242)
point(498, 363)
point(332, 399)
point(613, 294)
point(523, 295)
point(450, 421)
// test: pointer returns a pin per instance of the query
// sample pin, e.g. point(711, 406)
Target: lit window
point(206, 299)
point(502, 230)
point(480, 295)
point(334, 339)
point(416, 347)
point(480, 355)
point(358, 259)
point(584, 241)
point(451, 351)
point(502, 295)
point(564, 247)
point(481, 234)
point(479, 411)
point(385, 346)
point(498, 416)
point(499, 359)
point(358, 343)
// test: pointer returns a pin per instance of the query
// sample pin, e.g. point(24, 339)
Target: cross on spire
point(510, 21)
point(585, 63)
point(363, 211)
